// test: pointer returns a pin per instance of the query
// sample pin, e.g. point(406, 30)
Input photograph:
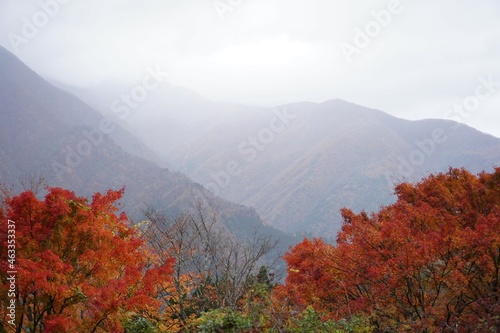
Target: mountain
point(299, 164)
point(47, 131)
point(169, 114)
point(328, 156)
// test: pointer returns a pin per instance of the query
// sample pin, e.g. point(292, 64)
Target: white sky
point(270, 52)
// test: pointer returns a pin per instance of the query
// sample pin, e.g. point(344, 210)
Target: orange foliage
point(80, 268)
point(430, 262)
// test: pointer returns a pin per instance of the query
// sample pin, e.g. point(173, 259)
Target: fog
point(412, 59)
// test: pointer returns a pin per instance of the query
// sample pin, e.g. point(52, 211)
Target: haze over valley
point(249, 166)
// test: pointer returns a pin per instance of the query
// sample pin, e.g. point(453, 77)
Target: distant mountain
point(48, 131)
point(169, 114)
point(299, 164)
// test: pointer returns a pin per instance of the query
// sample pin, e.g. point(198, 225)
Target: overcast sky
point(418, 63)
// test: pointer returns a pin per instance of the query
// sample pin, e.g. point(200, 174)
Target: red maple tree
point(80, 267)
point(430, 262)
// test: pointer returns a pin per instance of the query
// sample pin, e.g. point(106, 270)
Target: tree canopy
point(430, 262)
point(80, 268)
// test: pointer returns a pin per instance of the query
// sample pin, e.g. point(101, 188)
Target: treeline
point(428, 263)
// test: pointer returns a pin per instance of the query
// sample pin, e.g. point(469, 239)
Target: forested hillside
point(428, 263)
point(50, 134)
point(299, 164)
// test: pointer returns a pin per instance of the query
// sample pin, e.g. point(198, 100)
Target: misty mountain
point(47, 131)
point(169, 114)
point(299, 164)
point(322, 157)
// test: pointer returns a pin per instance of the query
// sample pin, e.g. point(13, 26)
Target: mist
point(411, 59)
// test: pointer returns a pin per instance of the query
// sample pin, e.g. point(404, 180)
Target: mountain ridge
point(328, 155)
point(300, 163)
point(49, 132)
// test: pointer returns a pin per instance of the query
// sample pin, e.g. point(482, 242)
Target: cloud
point(269, 52)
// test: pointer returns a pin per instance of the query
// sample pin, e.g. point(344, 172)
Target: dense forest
point(430, 262)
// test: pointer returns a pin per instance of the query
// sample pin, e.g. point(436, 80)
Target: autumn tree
point(428, 263)
point(80, 267)
point(213, 269)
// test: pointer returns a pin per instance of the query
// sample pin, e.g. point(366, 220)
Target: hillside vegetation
point(428, 263)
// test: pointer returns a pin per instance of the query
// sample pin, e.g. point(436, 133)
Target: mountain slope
point(169, 114)
point(333, 155)
point(47, 131)
point(300, 164)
